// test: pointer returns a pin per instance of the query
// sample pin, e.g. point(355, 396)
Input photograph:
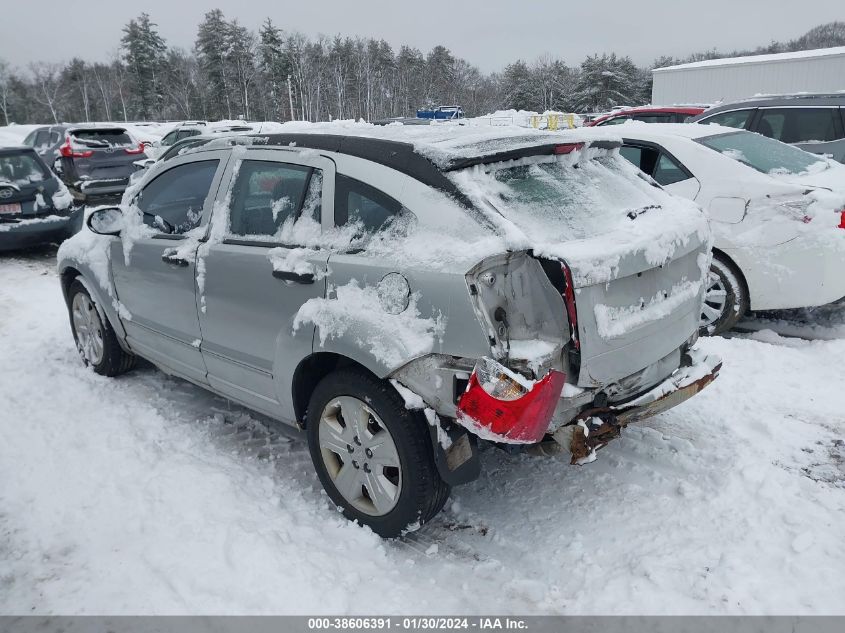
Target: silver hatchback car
point(401, 295)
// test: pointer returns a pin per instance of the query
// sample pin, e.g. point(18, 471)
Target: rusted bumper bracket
point(593, 428)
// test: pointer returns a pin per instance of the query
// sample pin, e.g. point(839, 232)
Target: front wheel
point(725, 299)
point(95, 339)
point(372, 455)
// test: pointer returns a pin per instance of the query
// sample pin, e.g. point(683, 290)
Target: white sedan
point(777, 213)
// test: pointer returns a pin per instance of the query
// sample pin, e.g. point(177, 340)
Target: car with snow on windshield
point(35, 207)
point(777, 214)
point(401, 294)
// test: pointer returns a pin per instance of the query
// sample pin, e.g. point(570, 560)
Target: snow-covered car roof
point(658, 131)
point(447, 146)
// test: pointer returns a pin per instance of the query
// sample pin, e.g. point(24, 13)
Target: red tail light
point(68, 151)
point(567, 148)
point(842, 219)
point(519, 414)
point(571, 312)
point(137, 150)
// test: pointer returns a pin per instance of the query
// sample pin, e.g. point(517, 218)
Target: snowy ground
point(147, 495)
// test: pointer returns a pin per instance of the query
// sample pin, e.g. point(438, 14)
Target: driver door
point(155, 278)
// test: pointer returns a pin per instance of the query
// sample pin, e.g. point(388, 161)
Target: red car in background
point(649, 114)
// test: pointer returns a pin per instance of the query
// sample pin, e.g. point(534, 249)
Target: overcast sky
point(487, 34)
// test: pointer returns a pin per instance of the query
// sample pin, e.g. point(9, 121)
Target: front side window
point(265, 195)
point(169, 139)
point(799, 125)
point(173, 202)
point(764, 154)
point(357, 202)
point(735, 118)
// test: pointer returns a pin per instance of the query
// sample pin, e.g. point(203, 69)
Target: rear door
point(814, 129)
point(156, 279)
point(263, 264)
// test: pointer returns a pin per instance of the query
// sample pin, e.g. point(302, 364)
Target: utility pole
point(290, 96)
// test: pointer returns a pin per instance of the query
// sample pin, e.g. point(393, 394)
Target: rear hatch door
point(636, 255)
point(26, 185)
point(110, 153)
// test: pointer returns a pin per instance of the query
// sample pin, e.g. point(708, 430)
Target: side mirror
point(105, 221)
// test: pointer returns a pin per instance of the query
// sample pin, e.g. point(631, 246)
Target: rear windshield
point(562, 198)
point(764, 154)
point(21, 169)
point(102, 138)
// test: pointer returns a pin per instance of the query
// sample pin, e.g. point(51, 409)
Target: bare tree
point(49, 85)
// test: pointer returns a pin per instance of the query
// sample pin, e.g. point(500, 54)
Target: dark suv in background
point(813, 122)
point(46, 141)
point(96, 162)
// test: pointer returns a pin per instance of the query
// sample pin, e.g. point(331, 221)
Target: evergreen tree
point(144, 54)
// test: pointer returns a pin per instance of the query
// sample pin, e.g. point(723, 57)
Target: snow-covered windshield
point(561, 198)
point(21, 169)
point(764, 154)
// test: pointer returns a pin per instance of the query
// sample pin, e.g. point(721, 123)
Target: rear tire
point(94, 337)
point(726, 298)
point(373, 456)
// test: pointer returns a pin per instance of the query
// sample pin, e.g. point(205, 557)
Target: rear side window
point(652, 118)
point(356, 201)
point(735, 118)
point(668, 172)
point(265, 195)
point(798, 125)
point(177, 196)
point(614, 121)
point(95, 138)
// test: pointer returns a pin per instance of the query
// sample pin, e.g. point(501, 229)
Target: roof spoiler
point(525, 152)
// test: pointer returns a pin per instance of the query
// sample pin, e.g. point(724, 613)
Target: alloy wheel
point(360, 456)
point(88, 328)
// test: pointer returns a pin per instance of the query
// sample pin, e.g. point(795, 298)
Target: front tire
point(373, 456)
point(94, 337)
point(725, 299)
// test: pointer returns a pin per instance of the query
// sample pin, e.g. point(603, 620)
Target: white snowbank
point(147, 495)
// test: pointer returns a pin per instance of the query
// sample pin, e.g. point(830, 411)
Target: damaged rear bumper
point(593, 428)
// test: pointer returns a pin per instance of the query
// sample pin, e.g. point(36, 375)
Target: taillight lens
point(571, 312)
point(137, 150)
point(68, 151)
point(842, 219)
point(568, 148)
point(501, 406)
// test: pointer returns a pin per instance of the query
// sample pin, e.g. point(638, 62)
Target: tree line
point(272, 74)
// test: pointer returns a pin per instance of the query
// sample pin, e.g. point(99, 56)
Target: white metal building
point(821, 70)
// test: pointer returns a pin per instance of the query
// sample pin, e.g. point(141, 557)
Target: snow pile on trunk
point(354, 310)
point(590, 208)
